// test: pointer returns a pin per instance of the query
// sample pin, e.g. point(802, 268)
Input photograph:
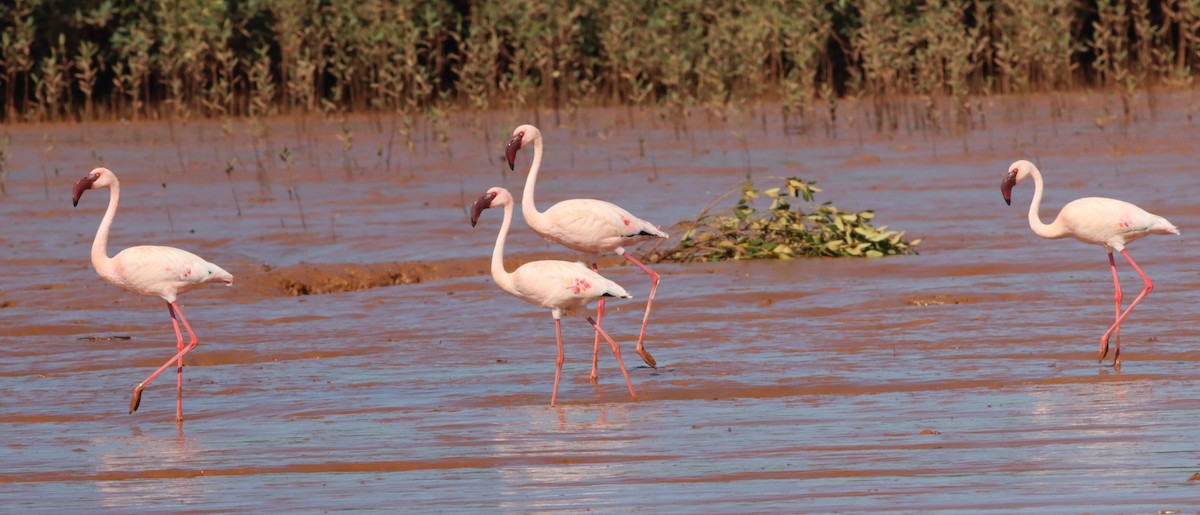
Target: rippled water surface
point(963, 378)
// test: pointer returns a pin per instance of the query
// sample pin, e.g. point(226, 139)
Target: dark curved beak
point(478, 206)
point(84, 184)
point(510, 150)
point(1006, 187)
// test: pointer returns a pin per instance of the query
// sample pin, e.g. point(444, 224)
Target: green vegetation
point(178, 59)
point(783, 231)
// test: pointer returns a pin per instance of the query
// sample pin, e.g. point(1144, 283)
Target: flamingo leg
point(617, 353)
point(1117, 314)
point(137, 390)
point(179, 369)
point(641, 348)
point(1116, 325)
point(559, 363)
point(596, 345)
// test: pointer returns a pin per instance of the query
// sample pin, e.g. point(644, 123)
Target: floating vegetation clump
point(784, 230)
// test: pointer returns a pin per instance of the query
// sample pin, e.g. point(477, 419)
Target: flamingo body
point(592, 227)
point(1107, 222)
point(559, 286)
point(163, 272)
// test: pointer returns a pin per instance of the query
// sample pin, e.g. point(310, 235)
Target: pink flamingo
point(557, 285)
point(1100, 221)
point(592, 227)
point(164, 272)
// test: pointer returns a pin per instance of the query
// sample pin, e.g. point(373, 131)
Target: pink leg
point(641, 348)
point(1116, 325)
point(1117, 314)
point(596, 345)
point(558, 366)
point(617, 353)
point(137, 390)
point(179, 365)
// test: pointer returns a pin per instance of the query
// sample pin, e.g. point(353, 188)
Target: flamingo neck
point(1053, 230)
point(503, 279)
point(529, 210)
point(100, 259)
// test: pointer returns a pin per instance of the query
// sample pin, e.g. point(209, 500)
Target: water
point(961, 379)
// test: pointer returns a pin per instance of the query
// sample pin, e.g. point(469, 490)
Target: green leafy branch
point(783, 230)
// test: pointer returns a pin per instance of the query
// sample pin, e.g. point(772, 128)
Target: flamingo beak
point(478, 206)
point(1006, 187)
point(84, 184)
point(510, 150)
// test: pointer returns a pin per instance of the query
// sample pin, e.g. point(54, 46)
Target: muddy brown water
point(964, 378)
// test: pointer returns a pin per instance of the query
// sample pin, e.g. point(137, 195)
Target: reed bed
point(920, 65)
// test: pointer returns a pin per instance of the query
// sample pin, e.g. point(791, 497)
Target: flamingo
point(1100, 221)
point(558, 285)
point(163, 272)
point(592, 227)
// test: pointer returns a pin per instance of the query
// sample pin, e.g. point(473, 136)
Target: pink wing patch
point(580, 285)
point(627, 222)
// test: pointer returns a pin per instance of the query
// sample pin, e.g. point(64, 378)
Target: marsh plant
point(50, 85)
point(918, 65)
point(289, 161)
point(5, 139)
point(784, 230)
point(17, 52)
point(230, 166)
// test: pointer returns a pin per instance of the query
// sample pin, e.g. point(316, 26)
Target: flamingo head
point(521, 136)
point(1017, 172)
point(98, 178)
point(495, 197)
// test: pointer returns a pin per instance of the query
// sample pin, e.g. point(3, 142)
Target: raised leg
point(596, 345)
point(559, 363)
point(178, 357)
point(616, 353)
point(1117, 314)
point(641, 348)
point(1116, 325)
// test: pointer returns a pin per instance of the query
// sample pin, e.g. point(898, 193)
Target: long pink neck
point(1053, 230)
point(100, 259)
point(503, 279)
point(529, 210)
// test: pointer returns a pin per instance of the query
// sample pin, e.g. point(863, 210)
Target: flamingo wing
point(1111, 222)
point(562, 284)
point(163, 271)
point(595, 226)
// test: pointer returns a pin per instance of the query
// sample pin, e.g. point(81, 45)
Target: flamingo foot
point(594, 378)
point(137, 399)
point(1104, 348)
point(641, 351)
